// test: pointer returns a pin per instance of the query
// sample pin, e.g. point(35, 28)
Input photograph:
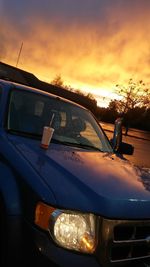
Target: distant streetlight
point(19, 54)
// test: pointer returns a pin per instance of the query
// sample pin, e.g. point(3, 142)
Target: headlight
point(69, 229)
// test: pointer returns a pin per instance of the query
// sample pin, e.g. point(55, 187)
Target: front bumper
point(121, 243)
point(62, 257)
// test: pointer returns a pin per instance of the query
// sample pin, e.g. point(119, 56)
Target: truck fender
point(10, 218)
point(9, 191)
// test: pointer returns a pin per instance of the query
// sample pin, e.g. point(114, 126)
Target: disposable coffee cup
point(47, 136)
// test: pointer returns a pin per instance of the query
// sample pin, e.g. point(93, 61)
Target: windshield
point(73, 125)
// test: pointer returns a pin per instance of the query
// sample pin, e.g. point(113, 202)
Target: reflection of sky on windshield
point(93, 44)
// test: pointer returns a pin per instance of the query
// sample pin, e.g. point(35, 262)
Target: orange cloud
point(93, 56)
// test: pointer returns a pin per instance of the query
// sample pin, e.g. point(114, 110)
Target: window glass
point(30, 112)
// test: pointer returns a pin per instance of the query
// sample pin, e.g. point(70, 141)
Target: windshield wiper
point(81, 145)
point(88, 147)
point(26, 134)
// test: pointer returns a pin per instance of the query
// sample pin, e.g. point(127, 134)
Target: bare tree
point(58, 81)
point(135, 94)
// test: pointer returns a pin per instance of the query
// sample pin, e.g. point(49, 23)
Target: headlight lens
point(71, 230)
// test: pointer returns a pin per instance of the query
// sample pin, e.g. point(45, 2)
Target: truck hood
point(91, 181)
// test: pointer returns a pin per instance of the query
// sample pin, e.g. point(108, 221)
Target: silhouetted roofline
point(15, 74)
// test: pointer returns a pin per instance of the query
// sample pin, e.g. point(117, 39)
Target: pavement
point(140, 141)
point(139, 134)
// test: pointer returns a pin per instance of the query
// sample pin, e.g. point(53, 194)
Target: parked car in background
point(74, 201)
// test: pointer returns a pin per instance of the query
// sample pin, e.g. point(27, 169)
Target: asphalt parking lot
point(141, 142)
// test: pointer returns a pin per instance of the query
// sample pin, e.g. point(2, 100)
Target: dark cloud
point(88, 10)
point(52, 8)
point(104, 15)
point(47, 9)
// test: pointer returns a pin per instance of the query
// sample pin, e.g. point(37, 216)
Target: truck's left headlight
point(69, 229)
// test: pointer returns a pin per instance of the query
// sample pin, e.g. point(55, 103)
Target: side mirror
point(117, 135)
point(126, 149)
point(116, 141)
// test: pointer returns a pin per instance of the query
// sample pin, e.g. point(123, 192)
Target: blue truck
point(76, 201)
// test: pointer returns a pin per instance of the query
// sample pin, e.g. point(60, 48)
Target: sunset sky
point(92, 44)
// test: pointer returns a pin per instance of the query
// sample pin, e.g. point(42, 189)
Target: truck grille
point(124, 242)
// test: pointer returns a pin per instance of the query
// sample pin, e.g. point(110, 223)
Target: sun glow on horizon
point(102, 95)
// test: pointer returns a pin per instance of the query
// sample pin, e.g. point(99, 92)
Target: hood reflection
point(145, 178)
